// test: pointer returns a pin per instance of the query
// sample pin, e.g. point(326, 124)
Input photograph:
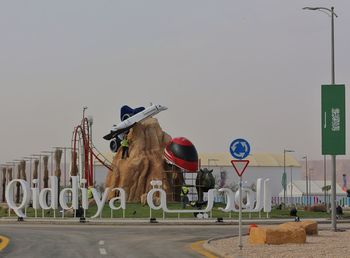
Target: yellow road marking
point(198, 247)
point(4, 242)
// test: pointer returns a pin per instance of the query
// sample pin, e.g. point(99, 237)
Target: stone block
point(310, 226)
point(277, 235)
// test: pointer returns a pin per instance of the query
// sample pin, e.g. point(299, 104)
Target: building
point(297, 193)
point(261, 165)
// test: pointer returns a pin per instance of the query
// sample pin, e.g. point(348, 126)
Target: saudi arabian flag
point(284, 181)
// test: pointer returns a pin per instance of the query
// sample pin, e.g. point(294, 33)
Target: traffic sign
point(240, 166)
point(239, 149)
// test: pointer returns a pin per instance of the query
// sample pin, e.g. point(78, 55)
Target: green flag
point(333, 120)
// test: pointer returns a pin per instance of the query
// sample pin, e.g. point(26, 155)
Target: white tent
point(298, 189)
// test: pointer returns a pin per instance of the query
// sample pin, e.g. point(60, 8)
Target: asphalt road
point(106, 241)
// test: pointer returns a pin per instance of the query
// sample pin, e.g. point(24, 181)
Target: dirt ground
point(326, 244)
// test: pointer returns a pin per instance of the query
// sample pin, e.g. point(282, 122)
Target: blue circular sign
point(239, 148)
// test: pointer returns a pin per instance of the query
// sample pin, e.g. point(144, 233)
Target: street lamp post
point(333, 157)
point(324, 179)
point(291, 185)
point(310, 181)
point(307, 181)
point(284, 173)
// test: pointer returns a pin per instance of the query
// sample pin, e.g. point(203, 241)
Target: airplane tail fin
point(126, 112)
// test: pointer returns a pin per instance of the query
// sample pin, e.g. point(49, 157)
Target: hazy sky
point(225, 69)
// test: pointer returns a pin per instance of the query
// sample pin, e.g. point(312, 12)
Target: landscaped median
point(137, 211)
point(326, 243)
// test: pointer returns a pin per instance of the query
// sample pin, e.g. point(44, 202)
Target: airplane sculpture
point(130, 117)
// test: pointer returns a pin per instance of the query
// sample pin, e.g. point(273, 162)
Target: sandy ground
point(326, 244)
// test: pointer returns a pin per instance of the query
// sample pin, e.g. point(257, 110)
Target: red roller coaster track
point(90, 151)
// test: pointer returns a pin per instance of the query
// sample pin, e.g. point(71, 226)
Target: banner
point(333, 119)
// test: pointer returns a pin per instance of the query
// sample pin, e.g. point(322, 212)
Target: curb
point(209, 248)
point(206, 244)
point(160, 222)
point(199, 248)
point(4, 241)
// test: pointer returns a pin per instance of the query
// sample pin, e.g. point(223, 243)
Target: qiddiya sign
point(255, 201)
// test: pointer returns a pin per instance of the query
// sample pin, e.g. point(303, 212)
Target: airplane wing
point(113, 134)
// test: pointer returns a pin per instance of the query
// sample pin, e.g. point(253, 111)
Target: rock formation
point(46, 171)
point(286, 233)
point(35, 172)
point(4, 171)
point(145, 162)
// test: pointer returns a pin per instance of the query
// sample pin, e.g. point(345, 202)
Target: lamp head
point(311, 8)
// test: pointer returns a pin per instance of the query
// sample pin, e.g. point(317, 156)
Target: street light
point(310, 173)
point(333, 187)
point(285, 175)
point(306, 180)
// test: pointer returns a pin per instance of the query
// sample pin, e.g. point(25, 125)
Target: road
point(30, 240)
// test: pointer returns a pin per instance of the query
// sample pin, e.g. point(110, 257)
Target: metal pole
point(284, 174)
point(39, 176)
point(333, 157)
point(333, 202)
point(324, 180)
point(333, 66)
point(240, 213)
point(307, 182)
point(310, 192)
point(291, 184)
point(65, 167)
point(30, 173)
point(52, 163)
point(334, 176)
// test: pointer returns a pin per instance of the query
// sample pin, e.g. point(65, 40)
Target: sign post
point(240, 149)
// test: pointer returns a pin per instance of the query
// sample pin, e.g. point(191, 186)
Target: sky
point(225, 70)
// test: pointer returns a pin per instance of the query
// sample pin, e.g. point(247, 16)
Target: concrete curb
point(206, 245)
point(4, 241)
point(199, 248)
point(126, 222)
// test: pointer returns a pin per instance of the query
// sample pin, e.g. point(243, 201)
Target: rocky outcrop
point(290, 232)
point(277, 235)
point(145, 162)
point(310, 226)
